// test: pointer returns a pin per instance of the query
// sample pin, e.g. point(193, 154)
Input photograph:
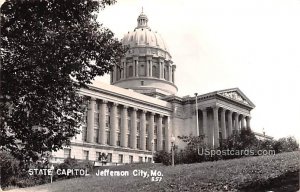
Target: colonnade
point(164, 69)
point(110, 123)
point(224, 123)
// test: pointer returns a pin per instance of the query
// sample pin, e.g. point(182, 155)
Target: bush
point(14, 173)
point(162, 157)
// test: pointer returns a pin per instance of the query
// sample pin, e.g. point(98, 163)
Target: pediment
point(236, 95)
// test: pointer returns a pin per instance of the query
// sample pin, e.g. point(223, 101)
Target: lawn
point(245, 174)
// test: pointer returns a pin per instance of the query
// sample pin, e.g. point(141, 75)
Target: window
point(128, 141)
point(164, 144)
point(149, 159)
point(155, 144)
point(138, 127)
point(141, 159)
point(96, 135)
point(119, 124)
point(142, 83)
point(155, 72)
point(86, 155)
point(107, 137)
point(119, 139)
point(98, 156)
point(67, 153)
point(130, 159)
point(147, 143)
point(96, 118)
point(109, 157)
point(138, 142)
point(130, 71)
point(129, 125)
point(120, 158)
point(142, 70)
point(155, 129)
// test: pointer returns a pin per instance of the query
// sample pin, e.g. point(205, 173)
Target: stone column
point(150, 71)
point(243, 122)
point(136, 66)
point(102, 123)
point(91, 119)
point(148, 65)
point(167, 135)
point(223, 124)
point(236, 128)
point(205, 130)
point(248, 122)
point(216, 127)
point(151, 130)
point(229, 118)
point(159, 133)
point(173, 72)
point(115, 73)
point(133, 129)
point(113, 131)
point(143, 131)
point(124, 127)
point(170, 72)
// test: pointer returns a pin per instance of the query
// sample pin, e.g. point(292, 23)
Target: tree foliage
point(49, 50)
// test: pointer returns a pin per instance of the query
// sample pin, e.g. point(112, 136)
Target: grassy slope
point(209, 176)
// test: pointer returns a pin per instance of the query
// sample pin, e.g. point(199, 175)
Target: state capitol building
point(139, 112)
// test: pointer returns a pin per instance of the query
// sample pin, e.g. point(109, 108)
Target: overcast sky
point(250, 44)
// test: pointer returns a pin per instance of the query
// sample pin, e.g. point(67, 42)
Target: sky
point(250, 44)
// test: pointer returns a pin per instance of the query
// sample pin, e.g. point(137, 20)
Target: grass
point(226, 175)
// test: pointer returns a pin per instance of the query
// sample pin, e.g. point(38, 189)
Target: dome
point(144, 37)
point(147, 67)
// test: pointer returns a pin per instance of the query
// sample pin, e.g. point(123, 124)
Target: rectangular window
point(96, 119)
point(147, 129)
point(128, 141)
point(155, 144)
point(96, 135)
point(67, 153)
point(107, 137)
point(98, 156)
point(141, 159)
point(147, 143)
point(109, 157)
point(130, 159)
point(120, 158)
point(138, 142)
point(138, 127)
point(163, 144)
point(119, 139)
point(155, 129)
point(119, 124)
point(129, 125)
point(86, 155)
point(107, 121)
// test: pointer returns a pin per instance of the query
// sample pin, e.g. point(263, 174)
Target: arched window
point(130, 71)
point(154, 71)
point(142, 70)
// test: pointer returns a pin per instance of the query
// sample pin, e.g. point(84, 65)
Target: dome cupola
point(147, 66)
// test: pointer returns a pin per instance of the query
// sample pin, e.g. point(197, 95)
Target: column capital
point(215, 107)
point(144, 111)
point(248, 117)
point(104, 101)
point(224, 110)
point(125, 107)
point(92, 99)
point(203, 109)
point(152, 113)
point(230, 112)
point(134, 109)
point(161, 116)
point(115, 104)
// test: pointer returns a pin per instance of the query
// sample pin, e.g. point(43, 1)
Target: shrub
point(162, 157)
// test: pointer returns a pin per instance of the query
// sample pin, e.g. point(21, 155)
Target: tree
point(49, 50)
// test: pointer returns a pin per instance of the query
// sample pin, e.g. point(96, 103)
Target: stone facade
point(137, 115)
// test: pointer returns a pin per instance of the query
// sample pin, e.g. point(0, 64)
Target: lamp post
point(197, 129)
point(152, 150)
point(172, 148)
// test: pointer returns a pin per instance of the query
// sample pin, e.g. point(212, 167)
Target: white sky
point(250, 44)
